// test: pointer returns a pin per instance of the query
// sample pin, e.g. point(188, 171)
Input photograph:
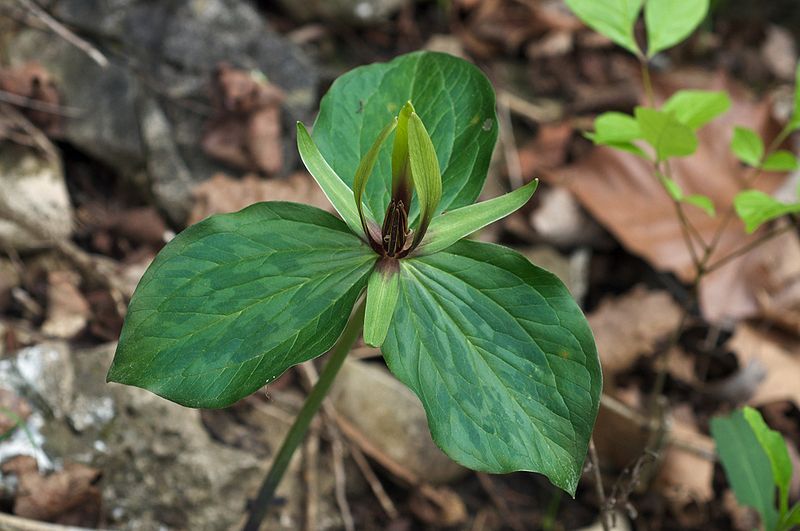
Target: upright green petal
point(401, 186)
point(448, 228)
point(383, 288)
point(424, 172)
point(364, 170)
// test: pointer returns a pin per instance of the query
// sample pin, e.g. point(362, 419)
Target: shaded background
point(124, 121)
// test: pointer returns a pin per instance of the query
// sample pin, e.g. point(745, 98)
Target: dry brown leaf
point(67, 310)
point(780, 359)
point(619, 189)
point(743, 518)
point(630, 326)
point(246, 130)
point(32, 82)
point(222, 193)
point(67, 497)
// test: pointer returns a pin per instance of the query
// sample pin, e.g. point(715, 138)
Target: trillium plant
point(497, 351)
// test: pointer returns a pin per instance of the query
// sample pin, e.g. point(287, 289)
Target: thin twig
point(38, 105)
point(311, 465)
point(748, 247)
point(340, 477)
point(598, 486)
point(509, 146)
point(65, 33)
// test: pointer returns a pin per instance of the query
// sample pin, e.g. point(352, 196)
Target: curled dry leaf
point(246, 130)
point(779, 357)
point(67, 310)
point(222, 193)
point(34, 85)
point(620, 191)
point(68, 497)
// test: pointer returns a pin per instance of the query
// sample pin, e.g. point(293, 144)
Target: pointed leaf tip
point(383, 288)
point(425, 173)
point(364, 170)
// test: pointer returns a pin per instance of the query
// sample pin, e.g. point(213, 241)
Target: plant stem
point(298, 430)
point(647, 82)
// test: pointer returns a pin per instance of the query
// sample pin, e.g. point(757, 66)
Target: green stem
point(300, 427)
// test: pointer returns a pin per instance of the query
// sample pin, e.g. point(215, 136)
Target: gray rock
point(163, 55)
point(355, 12)
point(392, 418)
point(32, 191)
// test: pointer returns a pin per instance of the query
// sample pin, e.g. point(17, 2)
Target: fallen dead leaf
point(630, 326)
point(67, 310)
point(780, 358)
point(620, 191)
point(33, 83)
point(222, 193)
point(66, 497)
point(246, 131)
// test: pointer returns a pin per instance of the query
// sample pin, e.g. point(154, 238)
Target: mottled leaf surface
point(502, 359)
point(452, 97)
point(235, 300)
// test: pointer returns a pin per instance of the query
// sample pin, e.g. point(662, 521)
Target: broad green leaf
point(746, 465)
point(451, 96)
point(502, 359)
point(382, 290)
point(671, 21)
point(792, 517)
point(338, 193)
point(702, 202)
point(613, 18)
point(756, 208)
point(400, 169)
point(667, 136)
point(235, 300)
point(775, 447)
point(364, 170)
point(424, 172)
point(612, 128)
point(780, 160)
point(696, 108)
point(448, 228)
point(747, 146)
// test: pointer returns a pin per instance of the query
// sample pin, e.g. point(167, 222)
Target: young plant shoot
point(497, 351)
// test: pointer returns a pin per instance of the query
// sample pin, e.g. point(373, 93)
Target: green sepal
point(425, 173)
point(383, 288)
point(775, 447)
point(448, 228)
point(335, 189)
point(364, 170)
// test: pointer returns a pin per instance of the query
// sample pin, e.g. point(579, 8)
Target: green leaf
point(775, 447)
point(424, 172)
point(448, 228)
point(667, 136)
point(450, 95)
point(671, 21)
point(673, 188)
point(696, 108)
point(613, 18)
point(612, 128)
point(502, 359)
point(338, 193)
point(235, 300)
point(747, 146)
point(780, 160)
point(702, 202)
point(746, 465)
point(382, 291)
point(364, 170)
point(756, 208)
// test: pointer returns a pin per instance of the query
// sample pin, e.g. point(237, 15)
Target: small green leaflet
point(613, 18)
point(746, 465)
point(667, 136)
point(696, 108)
point(756, 208)
point(502, 359)
point(775, 447)
point(700, 201)
point(780, 160)
point(747, 146)
point(617, 130)
point(382, 291)
point(671, 21)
